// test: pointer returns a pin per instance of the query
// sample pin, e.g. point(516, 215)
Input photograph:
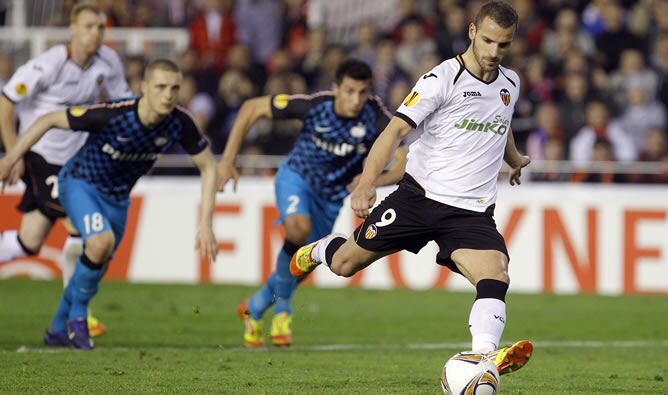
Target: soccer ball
point(470, 373)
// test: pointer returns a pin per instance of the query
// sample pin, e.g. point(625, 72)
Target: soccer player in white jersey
point(464, 105)
point(78, 73)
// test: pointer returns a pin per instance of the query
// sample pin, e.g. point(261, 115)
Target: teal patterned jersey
point(120, 149)
point(330, 149)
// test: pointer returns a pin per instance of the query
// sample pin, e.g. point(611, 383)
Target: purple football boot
point(79, 336)
point(56, 339)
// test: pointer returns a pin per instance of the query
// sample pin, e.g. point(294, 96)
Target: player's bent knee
point(100, 246)
point(34, 229)
point(482, 264)
point(499, 271)
point(501, 276)
point(297, 230)
point(496, 272)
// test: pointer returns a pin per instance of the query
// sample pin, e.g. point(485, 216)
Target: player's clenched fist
point(362, 199)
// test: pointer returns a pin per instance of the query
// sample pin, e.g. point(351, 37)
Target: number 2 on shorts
point(93, 222)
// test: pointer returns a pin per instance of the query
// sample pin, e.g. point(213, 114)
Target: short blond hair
point(160, 64)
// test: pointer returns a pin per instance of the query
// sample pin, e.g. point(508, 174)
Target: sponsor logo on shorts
point(412, 99)
point(281, 101)
point(371, 231)
point(505, 96)
point(160, 141)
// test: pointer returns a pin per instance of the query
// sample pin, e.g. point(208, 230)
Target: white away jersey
point(465, 122)
point(52, 82)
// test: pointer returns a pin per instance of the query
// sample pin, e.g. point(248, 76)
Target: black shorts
point(41, 179)
point(407, 220)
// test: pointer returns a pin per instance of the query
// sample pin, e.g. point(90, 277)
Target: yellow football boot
point(95, 327)
point(301, 263)
point(281, 330)
point(253, 329)
point(512, 358)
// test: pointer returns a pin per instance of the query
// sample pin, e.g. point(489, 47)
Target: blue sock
point(262, 299)
point(59, 321)
point(85, 284)
point(285, 284)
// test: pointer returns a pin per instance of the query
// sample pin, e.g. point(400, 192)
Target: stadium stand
point(590, 71)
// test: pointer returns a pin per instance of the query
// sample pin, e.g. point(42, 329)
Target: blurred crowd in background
point(594, 74)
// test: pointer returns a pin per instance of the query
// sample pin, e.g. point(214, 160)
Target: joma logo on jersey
point(342, 149)
point(493, 127)
point(118, 155)
point(472, 94)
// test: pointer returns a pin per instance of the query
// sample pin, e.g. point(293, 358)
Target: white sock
point(72, 250)
point(319, 252)
point(486, 323)
point(10, 248)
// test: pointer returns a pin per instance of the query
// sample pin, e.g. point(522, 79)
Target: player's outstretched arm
point(56, 119)
point(7, 123)
point(394, 174)
point(8, 135)
point(514, 159)
point(364, 195)
point(206, 241)
point(249, 113)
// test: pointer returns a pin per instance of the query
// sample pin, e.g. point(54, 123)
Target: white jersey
point(466, 122)
point(52, 82)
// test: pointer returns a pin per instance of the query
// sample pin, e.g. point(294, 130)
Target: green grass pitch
point(187, 339)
